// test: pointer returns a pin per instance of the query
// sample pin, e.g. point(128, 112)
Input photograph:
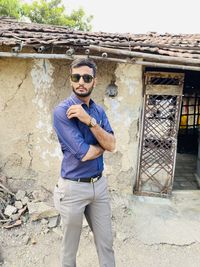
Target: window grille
point(162, 101)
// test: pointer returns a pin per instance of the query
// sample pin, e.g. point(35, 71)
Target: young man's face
point(82, 81)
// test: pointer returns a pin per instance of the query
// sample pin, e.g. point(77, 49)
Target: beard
point(83, 94)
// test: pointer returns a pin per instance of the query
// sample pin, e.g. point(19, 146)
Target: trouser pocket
point(57, 196)
point(62, 192)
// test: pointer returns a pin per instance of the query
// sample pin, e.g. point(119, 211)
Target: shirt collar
point(77, 101)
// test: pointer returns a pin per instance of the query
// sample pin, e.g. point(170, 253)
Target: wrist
point(92, 122)
point(88, 121)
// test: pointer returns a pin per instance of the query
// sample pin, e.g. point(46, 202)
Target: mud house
point(149, 85)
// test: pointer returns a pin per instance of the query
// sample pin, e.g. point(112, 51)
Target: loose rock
point(20, 194)
point(40, 210)
point(9, 210)
point(18, 204)
point(25, 200)
point(53, 222)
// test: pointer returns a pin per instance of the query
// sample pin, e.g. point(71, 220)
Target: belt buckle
point(93, 180)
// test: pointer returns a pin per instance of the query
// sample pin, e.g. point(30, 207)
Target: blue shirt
point(75, 138)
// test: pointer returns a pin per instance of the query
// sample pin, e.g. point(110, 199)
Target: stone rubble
point(9, 210)
point(22, 206)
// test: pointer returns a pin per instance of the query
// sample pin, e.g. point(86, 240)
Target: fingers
point(73, 111)
point(75, 107)
point(72, 115)
point(76, 111)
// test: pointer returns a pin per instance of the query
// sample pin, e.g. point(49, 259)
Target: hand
point(77, 111)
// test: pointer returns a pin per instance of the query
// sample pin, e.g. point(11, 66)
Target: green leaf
point(47, 12)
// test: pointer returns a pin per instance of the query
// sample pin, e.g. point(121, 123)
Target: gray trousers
point(73, 200)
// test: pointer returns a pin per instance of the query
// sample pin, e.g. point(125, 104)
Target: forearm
point(94, 152)
point(105, 139)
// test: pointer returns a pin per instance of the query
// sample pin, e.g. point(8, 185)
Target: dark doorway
point(188, 135)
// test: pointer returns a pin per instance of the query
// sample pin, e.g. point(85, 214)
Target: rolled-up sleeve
point(105, 123)
point(69, 135)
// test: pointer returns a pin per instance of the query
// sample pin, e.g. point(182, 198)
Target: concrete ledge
point(173, 221)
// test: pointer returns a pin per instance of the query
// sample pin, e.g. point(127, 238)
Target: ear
point(95, 81)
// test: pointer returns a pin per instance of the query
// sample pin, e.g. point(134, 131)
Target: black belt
point(85, 180)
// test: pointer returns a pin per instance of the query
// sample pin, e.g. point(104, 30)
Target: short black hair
point(80, 62)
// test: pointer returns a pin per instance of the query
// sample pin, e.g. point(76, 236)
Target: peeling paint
point(41, 74)
point(132, 87)
point(53, 154)
point(123, 111)
point(42, 77)
point(113, 105)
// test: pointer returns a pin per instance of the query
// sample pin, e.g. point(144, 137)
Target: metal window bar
point(198, 115)
point(161, 80)
point(187, 113)
point(192, 112)
point(195, 104)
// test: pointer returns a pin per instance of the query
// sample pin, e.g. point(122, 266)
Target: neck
point(86, 99)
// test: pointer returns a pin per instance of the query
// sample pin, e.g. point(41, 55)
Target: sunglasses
point(86, 77)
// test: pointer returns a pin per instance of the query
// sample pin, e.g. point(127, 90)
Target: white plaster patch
point(44, 126)
point(44, 151)
point(119, 114)
point(40, 125)
point(113, 105)
point(40, 103)
point(56, 153)
point(132, 85)
point(128, 120)
point(41, 74)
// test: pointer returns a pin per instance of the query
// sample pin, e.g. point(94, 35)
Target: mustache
point(82, 87)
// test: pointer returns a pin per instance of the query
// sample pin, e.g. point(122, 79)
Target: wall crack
point(172, 245)
point(15, 93)
point(30, 149)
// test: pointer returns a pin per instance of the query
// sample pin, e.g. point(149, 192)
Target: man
point(84, 134)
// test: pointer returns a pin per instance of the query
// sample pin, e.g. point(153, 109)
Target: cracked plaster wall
point(29, 89)
point(124, 112)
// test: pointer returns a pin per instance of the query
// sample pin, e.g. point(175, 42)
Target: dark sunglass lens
point(75, 77)
point(87, 78)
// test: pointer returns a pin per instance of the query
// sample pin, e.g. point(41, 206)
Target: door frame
point(162, 92)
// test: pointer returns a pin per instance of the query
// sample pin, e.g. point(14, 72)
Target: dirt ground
point(32, 244)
